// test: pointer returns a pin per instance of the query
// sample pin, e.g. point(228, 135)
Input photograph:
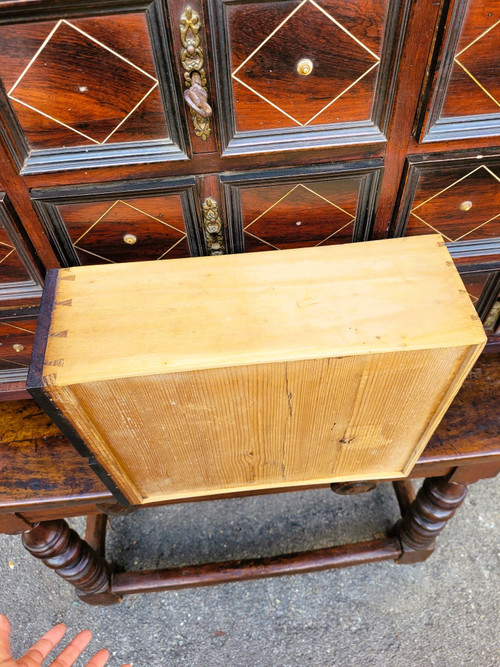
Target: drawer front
point(20, 280)
point(109, 225)
point(465, 89)
point(89, 90)
point(16, 343)
point(458, 199)
point(304, 208)
point(301, 74)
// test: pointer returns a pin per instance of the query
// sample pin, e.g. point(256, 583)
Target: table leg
point(436, 502)
point(73, 559)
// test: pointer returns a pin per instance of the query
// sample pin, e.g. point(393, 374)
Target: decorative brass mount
point(195, 78)
point(213, 227)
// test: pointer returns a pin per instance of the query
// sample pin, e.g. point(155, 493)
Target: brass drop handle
point(195, 78)
point(196, 97)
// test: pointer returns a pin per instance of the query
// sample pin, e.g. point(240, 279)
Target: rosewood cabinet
point(152, 130)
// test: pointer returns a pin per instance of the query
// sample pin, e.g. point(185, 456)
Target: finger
point(39, 651)
point(100, 658)
point(5, 653)
point(75, 648)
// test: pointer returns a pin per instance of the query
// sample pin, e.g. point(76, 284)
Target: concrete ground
point(444, 612)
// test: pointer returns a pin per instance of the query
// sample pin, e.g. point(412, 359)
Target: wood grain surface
point(266, 369)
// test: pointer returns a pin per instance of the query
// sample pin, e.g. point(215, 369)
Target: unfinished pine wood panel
point(257, 371)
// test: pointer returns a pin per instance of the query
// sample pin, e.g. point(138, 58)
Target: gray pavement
point(444, 612)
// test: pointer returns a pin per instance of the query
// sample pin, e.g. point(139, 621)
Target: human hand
point(35, 656)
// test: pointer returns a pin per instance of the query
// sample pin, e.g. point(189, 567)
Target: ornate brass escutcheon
point(195, 78)
point(212, 224)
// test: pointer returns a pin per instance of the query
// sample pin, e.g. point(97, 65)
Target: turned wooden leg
point(73, 559)
point(435, 504)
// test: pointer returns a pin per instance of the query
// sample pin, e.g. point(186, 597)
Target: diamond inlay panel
point(16, 343)
point(82, 81)
point(342, 44)
point(474, 86)
point(299, 215)
point(466, 207)
point(475, 60)
point(11, 267)
point(129, 230)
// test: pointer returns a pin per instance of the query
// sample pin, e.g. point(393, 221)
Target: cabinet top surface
point(125, 320)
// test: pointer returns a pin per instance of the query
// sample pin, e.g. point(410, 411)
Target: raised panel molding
point(461, 81)
point(117, 222)
point(92, 117)
point(301, 193)
point(317, 125)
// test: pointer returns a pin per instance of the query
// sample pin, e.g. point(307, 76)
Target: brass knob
point(18, 347)
point(465, 206)
point(304, 67)
point(130, 238)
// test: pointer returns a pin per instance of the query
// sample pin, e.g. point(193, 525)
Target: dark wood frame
point(363, 132)
point(175, 148)
point(369, 174)
point(46, 200)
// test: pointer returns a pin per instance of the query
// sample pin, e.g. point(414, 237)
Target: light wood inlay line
point(327, 200)
point(335, 232)
point(15, 326)
point(481, 166)
point(94, 254)
point(434, 229)
point(7, 255)
point(272, 206)
point(269, 36)
point(485, 91)
point(255, 92)
point(477, 39)
point(262, 240)
point(342, 93)
point(172, 247)
point(60, 122)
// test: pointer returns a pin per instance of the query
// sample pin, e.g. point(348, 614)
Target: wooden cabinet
point(135, 130)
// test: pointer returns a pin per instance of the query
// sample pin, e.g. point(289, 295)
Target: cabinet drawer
point(460, 199)
point(301, 74)
point(16, 343)
point(108, 224)
point(89, 90)
point(302, 208)
point(465, 88)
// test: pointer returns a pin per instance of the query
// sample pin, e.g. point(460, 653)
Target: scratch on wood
point(71, 276)
point(289, 394)
point(56, 362)
point(67, 302)
point(59, 334)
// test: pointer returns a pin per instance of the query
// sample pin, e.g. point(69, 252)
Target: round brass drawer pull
point(304, 67)
point(130, 238)
point(18, 347)
point(465, 206)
